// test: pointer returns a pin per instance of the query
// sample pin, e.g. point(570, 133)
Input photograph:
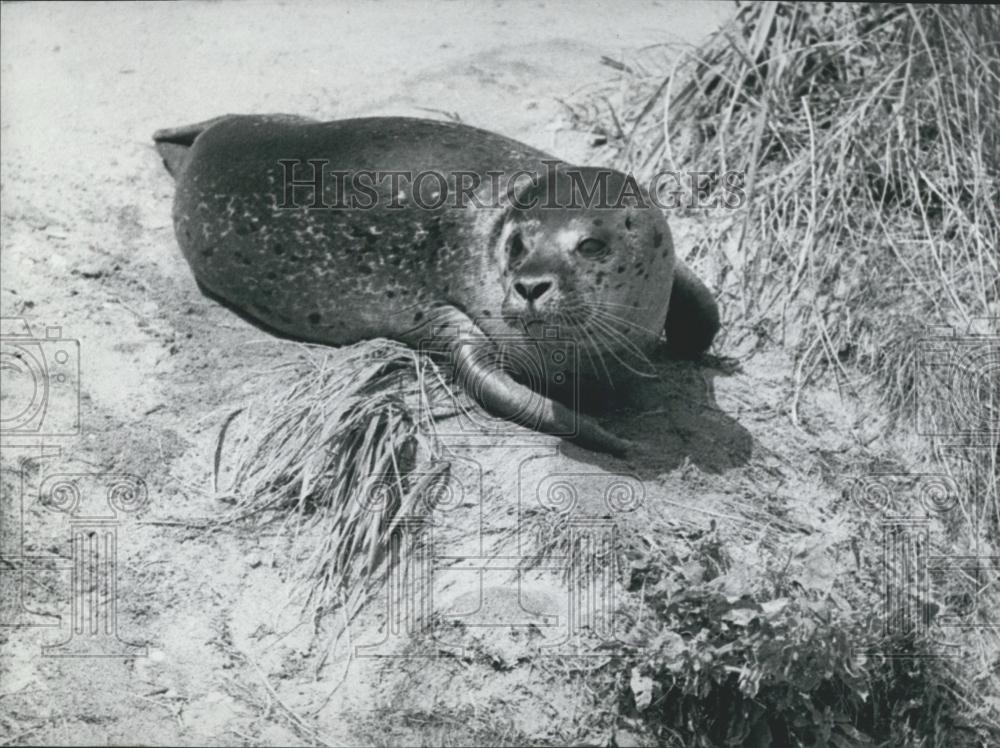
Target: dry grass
point(331, 454)
point(872, 168)
point(867, 134)
point(868, 140)
point(445, 727)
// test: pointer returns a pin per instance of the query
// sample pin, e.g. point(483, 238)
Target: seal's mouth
point(536, 327)
point(540, 326)
point(537, 321)
point(543, 327)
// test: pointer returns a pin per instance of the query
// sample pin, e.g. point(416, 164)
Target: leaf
point(669, 644)
point(854, 734)
point(774, 606)
point(739, 616)
point(760, 736)
point(693, 572)
point(642, 689)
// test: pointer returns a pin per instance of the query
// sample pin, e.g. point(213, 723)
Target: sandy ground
point(88, 246)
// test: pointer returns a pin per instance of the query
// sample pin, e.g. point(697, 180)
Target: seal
point(336, 232)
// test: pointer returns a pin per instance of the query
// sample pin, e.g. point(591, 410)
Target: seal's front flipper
point(173, 143)
point(475, 361)
point(693, 315)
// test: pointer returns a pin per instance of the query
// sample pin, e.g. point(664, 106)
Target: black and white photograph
point(500, 373)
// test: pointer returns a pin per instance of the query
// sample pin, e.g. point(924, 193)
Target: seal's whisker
point(646, 374)
point(603, 334)
point(614, 335)
point(587, 349)
point(595, 335)
point(597, 349)
point(602, 342)
point(599, 302)
point(611, 321)
point(598, 308)
point(613, 305)
point(599, 342)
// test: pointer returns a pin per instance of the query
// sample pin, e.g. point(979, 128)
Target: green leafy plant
point(711, 669)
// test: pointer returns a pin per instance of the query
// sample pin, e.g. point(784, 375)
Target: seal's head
point(586, 250)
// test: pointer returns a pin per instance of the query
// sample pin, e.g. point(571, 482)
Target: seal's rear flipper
point(173, 156)
point(693, 316)
point(174, 143)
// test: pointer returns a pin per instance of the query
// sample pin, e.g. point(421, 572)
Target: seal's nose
point(533, 289)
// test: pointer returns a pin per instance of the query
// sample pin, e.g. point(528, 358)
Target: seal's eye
point(515, 248)
point(592, 248)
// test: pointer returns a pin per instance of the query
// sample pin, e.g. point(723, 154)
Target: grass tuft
point(330, 457)
point(867, 137)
